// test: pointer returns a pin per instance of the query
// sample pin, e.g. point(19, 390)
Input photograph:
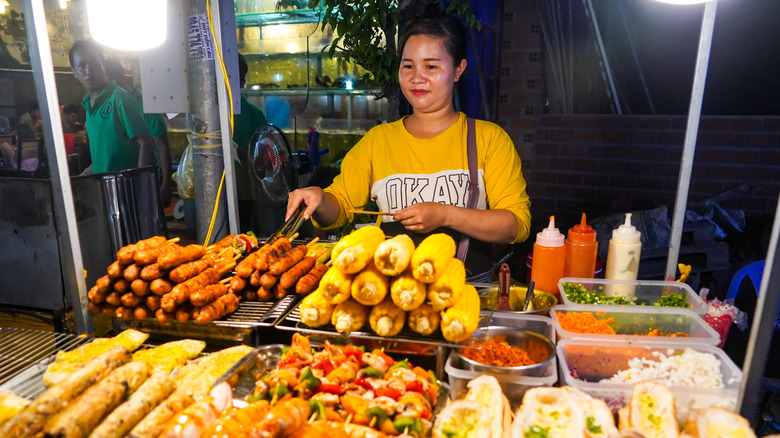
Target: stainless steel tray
point(244, 373)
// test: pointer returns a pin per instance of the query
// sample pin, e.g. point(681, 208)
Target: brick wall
point(599, 163)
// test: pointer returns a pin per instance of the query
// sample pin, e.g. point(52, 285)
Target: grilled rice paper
point(717, 422)
point(552, 412)
point(10, 405)
point(651, 411)
point(32, 419)
point(67, 362)
point(197, 377)
point(152, 423)
point(151, 393)
point(80, 417)
point(599, 421)
point(170, 355)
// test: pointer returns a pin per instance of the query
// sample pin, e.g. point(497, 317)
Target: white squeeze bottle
point(625, 248)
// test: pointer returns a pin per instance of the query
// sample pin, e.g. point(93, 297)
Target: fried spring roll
point(152, 423)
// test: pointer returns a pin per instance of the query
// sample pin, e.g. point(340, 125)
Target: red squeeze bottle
point(581, 249)
point(548, 259)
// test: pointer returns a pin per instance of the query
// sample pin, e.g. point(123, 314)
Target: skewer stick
point(372, 422)
point(274, 399)
point(174, 240)
point(313, 417)
point(225, 280)
point(349, 419)
point(406, 431)
point(329, 263)
point(293, 237)
point(313, 241)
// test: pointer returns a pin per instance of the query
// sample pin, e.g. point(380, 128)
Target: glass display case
point(297, 84)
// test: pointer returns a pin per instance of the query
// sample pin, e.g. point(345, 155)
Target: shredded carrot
point(499, 354)
point(585, 322)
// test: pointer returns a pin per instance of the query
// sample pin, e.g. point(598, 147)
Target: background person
point(158, 130)
point(118, 136)
point(30, 124)
point(417, 167)
point(244, 125)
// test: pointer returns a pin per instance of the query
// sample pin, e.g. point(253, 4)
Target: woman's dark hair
point(446, 27)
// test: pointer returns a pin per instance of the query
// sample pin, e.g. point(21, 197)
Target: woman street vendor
point(418, 167)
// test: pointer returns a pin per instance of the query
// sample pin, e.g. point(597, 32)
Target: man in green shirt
point(118, 136)
point(158, 130)
point(244, 125)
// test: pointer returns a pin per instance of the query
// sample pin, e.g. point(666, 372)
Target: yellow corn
point(349, 316)
point(335, 286)
point(407, 292)
point(444, 292)
point(460, 321)
point(432, 256)
point(315, 310)
point(353, 252)
point(369, 286)
point(386, 318)
point(424, 319)
point(393, 256)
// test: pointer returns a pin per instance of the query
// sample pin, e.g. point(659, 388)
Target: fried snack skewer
point(311, 280)
point(181, 255)
point(181, 292)
point(207, 294)
point(292, 275)
point(31, 419)
point(217, 309)
point(185, 271)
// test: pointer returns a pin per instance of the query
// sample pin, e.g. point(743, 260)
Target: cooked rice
point(688, 368)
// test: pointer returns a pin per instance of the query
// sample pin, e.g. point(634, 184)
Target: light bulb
point(128, 24)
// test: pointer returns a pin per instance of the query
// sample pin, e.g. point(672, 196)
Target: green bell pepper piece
point(380, 415)
point(373, 372)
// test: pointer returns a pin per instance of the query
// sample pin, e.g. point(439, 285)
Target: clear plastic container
point(593, 361)
point(630, 321)
point(646, 292)
point(513, 386)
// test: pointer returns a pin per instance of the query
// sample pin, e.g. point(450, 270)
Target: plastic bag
point(721, 314)
point(185, 175)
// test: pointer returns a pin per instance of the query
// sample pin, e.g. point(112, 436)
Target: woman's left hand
point(423, 217)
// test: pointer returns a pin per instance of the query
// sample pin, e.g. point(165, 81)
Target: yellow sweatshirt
point(392, 167)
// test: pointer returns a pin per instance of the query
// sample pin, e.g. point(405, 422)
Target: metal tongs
point(290, 227)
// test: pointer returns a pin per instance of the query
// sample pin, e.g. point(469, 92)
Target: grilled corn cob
point(460, 321)
point(353, 252)
point(424, 319)
point(369, 286)
point(315, 309)
point(335, 286)
point(393, 256)
point(407, 292)
point(445, 291)
point(349, 316)
point(386, 318)
point(432, 256)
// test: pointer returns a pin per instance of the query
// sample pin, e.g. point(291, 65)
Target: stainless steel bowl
point(538, 346)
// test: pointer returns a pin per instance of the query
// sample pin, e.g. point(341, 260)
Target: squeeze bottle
point(548, 259)
point(625, 248)
point(581, 249)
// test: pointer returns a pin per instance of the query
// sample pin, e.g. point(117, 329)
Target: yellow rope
point(216, 134)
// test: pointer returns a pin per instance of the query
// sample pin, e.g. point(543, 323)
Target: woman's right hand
point(311, 196)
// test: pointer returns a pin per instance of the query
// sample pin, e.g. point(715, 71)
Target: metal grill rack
point(24, 355)
point(257, 313)
point(405, 341)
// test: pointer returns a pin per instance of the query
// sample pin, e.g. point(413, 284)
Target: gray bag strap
point(473, 190)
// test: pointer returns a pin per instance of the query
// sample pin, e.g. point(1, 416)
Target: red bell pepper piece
point(388, 392)
point(415, 386)
point(289, 360)
point(330, 388)
point(324, 364)
point(352, 351)
point(388, 360)
point(425, 414)
point(363, 383)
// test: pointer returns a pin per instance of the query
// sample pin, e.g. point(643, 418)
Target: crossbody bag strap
point(473, 190)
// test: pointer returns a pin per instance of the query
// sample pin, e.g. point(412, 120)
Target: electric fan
point(273, 166)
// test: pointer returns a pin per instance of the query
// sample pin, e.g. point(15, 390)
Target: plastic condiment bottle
point(625, 248)
point(581, 249)
point(548, 259)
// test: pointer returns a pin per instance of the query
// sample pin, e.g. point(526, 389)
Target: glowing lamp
point(128, 25)
point(684, 2)
point(3, 4)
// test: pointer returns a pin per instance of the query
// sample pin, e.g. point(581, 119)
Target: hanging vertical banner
point(201, 46)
